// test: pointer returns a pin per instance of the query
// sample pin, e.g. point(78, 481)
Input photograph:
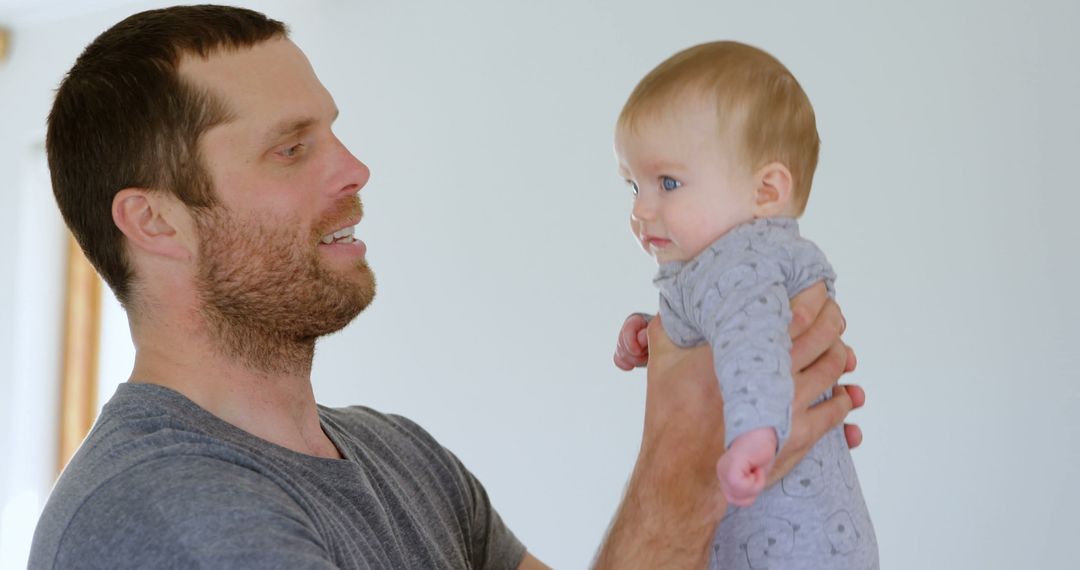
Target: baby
point(719, 145)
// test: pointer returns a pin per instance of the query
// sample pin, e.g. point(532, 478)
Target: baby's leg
point(745, 465)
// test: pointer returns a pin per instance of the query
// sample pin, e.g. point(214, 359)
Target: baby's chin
point(671, 257)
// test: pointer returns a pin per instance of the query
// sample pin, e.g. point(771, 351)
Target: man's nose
point(352, 173)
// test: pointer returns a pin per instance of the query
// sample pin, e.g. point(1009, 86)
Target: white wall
point(497, 228)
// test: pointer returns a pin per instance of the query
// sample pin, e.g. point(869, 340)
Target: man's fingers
point(828, 414)
point(804, 307)
point(815, 340)
point(816, 379)
point(857, 395)
point(853, 435)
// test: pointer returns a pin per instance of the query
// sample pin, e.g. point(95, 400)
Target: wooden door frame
point(82, 343)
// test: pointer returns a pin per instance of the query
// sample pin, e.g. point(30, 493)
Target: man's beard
point(267, 295)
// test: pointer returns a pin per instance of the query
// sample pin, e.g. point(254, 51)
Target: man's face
point(690, 185)
point(276, 256)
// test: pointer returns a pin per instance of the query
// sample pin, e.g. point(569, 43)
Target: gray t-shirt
point(162, 483)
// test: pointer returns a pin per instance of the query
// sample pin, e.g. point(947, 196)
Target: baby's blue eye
point(633, 186)
point(669, 183)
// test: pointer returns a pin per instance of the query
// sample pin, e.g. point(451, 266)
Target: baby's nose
point(644, 209)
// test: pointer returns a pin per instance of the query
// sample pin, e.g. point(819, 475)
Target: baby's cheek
point(694, 234)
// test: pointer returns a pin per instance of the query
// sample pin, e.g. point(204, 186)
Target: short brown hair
point(124, 118)
point(757, 100)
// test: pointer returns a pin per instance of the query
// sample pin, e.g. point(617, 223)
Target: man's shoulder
point(176, 510)
point(145, 466)
point(142, 426)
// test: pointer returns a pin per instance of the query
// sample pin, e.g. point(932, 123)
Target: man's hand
point(818, 359)
point(673, 501)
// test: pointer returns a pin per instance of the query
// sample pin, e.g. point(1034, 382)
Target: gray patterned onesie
point(735, 296)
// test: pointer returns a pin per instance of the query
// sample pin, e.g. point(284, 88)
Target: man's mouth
point(344, 235)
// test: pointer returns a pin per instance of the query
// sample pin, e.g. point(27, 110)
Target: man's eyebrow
point(294, 125)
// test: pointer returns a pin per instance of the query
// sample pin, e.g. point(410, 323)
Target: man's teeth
point(344, 235)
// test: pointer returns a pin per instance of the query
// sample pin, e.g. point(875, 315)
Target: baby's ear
point(773, 193)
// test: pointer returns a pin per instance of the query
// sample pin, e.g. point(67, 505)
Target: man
point(193, 158)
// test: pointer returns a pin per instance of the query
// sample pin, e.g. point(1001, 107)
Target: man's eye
point(669, 183)
point(293, 151)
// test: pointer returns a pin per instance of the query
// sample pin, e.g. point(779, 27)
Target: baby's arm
point(745, 316)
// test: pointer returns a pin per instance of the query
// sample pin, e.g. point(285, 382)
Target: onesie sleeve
point(744, 312)
point(674, 315)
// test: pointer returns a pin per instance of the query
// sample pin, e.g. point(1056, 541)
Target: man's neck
point(274, 402)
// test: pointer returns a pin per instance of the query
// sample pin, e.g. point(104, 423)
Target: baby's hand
point(632, 348)
point(742, 469)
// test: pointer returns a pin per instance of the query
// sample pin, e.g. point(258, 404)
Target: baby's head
point(715, 136)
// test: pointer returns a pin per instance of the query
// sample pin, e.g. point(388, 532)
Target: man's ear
point(773, 193)
point(150, 220)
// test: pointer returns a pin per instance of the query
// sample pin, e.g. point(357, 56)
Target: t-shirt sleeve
point(492, 545)
point(496, 547)
point(190, 512)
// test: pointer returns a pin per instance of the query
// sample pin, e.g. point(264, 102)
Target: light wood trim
point(82, 337)
point(5, 40)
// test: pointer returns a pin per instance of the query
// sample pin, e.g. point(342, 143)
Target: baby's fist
point(632, 348)
point(744, 467)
